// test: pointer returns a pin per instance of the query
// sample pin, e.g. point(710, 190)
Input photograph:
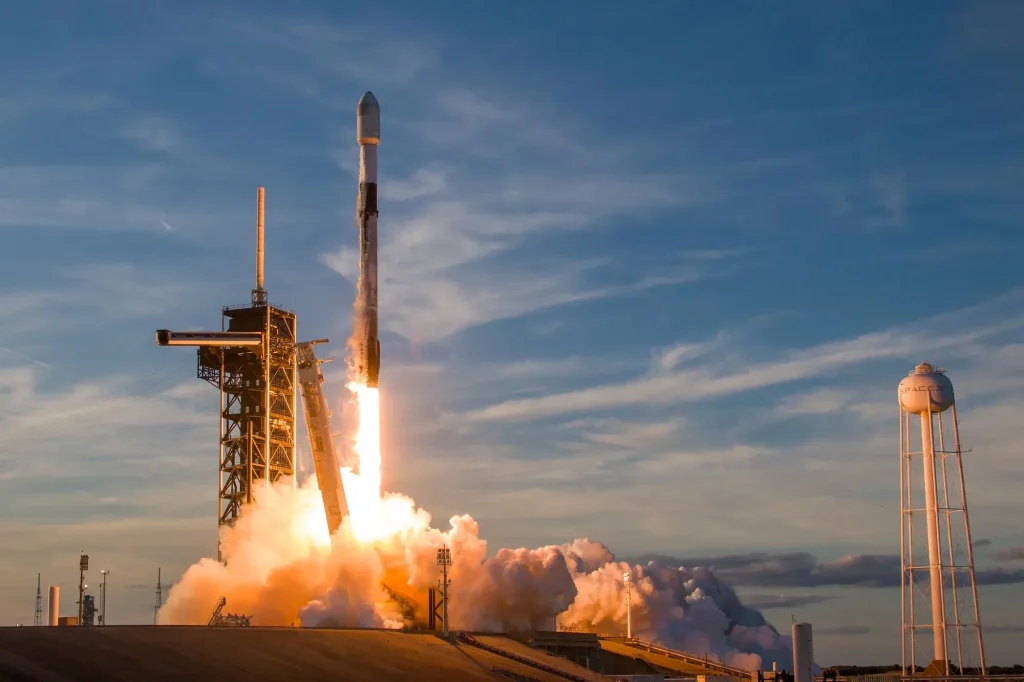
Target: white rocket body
point(365, 322)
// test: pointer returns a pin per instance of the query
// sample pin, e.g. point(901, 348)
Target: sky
point(649, 276)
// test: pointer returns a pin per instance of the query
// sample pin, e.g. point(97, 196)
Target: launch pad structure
point(252, 362)
point(258, 401)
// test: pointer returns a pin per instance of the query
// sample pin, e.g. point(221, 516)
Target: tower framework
point(251, 361)
point(940, 612)
point(258, 402)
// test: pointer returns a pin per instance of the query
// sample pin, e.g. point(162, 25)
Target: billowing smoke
point(281, 568)
point(683, 608)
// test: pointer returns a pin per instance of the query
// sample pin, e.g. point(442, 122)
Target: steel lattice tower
point(38, 620)
point(258, 402)
point(940, 594)
point(252, 363)
point(159, 597)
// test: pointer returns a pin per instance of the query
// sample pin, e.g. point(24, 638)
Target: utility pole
point(39, 600)
point(444, 560)
point(83, 566)
point(103, 603)
point(629, 611)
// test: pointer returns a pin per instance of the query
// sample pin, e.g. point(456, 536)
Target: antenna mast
point(39, 600)
point(159, 596)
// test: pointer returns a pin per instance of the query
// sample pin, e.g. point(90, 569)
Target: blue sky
point(648, 276)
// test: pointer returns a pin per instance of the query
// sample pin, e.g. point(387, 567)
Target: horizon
point(656, 291)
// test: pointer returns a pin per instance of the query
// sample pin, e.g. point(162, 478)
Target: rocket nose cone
point(368, 105)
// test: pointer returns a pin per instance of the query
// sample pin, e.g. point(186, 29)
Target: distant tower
point(39, 600)
point(88, 610)
point(947, 600)
point(159, 597)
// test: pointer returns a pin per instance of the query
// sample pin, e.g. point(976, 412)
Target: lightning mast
point(945, 603)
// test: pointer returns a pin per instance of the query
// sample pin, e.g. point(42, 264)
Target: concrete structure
point(803, 653)
point(154, 654)
point(947, 557)
point(54, 605)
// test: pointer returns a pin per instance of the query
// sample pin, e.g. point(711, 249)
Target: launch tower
point(251, 361)
point(940, 595)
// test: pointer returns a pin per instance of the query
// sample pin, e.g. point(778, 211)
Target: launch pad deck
point(156, 654)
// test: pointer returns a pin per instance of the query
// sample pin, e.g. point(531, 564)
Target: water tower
point(940, 595)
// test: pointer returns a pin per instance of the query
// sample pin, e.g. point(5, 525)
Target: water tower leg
point(934, 549)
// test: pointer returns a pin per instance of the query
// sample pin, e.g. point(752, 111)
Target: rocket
point(364, 325)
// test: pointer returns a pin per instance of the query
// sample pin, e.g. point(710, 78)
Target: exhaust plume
point(683, 608)
point(281, 567)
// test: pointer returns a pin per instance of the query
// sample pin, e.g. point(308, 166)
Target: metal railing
point(702, 661)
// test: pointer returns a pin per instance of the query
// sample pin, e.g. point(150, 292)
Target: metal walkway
point(702, 662)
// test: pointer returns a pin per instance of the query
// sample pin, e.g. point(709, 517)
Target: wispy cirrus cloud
point(713, 381)
point(113, 291)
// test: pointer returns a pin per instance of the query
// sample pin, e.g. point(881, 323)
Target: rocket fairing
point(365, 322)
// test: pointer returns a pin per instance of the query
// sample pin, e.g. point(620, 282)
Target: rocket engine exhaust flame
point(363, 489)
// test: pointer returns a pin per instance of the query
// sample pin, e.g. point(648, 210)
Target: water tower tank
point(927, 389)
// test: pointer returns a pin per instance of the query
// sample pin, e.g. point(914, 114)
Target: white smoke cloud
point(682, 608)
point(281, 568)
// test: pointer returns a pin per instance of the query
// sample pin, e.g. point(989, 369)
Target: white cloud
point(113, 423)
point(424, 182)
point(821, 401)
point(951, 334)
point(110, 292)
point(668, 359)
